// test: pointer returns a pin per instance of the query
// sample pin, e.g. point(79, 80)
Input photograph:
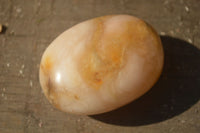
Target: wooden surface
point(172, 105)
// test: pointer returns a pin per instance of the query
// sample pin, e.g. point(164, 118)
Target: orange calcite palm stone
point(101, 64)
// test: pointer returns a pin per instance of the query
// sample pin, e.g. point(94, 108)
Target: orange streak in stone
point(48, 63)
point(102, 58)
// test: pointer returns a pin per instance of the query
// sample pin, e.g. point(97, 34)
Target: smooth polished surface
point(171, 106)
point(101, 64)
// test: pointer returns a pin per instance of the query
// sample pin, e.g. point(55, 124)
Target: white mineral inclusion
point(101, 64)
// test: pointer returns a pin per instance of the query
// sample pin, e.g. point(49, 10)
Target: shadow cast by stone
point(176, 91)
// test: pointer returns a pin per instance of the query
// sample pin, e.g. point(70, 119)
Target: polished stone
point(101, 64)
